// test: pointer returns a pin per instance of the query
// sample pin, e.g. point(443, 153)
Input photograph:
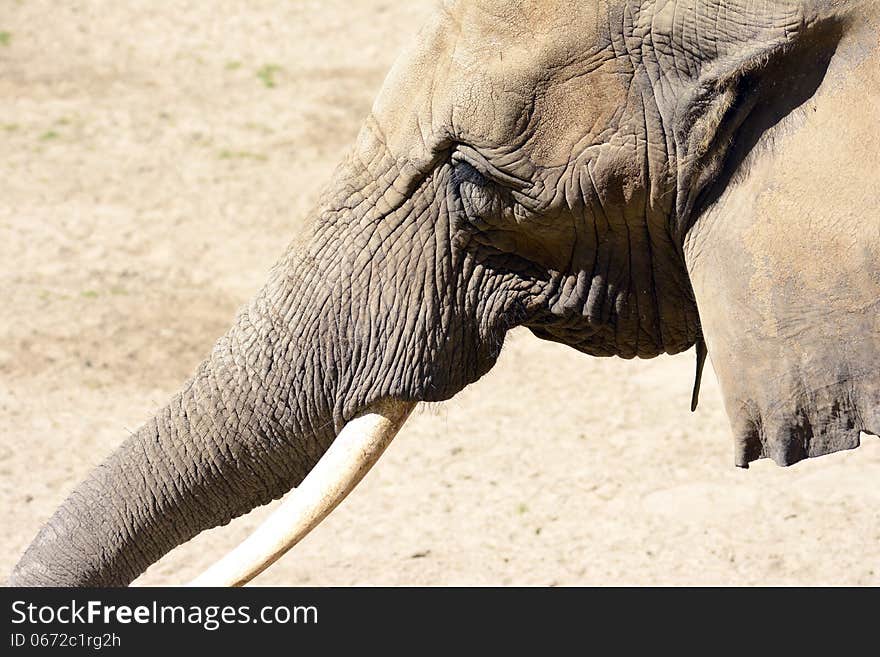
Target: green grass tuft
point(267, 74)
point(242, 155)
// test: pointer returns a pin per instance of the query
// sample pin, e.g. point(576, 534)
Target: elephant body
point(626, 178)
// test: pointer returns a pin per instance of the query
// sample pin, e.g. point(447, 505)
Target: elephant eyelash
point(472, 157)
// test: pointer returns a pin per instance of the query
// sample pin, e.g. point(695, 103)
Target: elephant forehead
point(493, 73)
point(525, 69)
point(550, 114)
point(518, 19)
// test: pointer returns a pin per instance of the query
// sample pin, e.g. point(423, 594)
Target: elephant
point(627, 178)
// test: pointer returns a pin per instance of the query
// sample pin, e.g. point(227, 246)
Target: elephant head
point(627, 178)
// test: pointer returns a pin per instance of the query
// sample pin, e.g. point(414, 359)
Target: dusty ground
point(156, 158)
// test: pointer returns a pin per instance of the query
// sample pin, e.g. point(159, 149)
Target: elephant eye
point(465, 172)
point(478, 194)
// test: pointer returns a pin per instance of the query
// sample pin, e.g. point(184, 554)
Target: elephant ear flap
point(706, 121)
point(783, 265)
point(735, 100)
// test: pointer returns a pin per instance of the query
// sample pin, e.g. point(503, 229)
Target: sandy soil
point(156, 158)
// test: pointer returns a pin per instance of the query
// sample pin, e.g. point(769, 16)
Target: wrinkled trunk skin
point(373, 303)
point(215, 451)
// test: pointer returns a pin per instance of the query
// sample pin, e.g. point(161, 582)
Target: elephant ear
point(736, 99)
point(779, 202)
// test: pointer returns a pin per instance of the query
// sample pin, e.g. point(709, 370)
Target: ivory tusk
point(354, 451)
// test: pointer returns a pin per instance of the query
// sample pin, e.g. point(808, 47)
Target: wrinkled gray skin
point(626, 178)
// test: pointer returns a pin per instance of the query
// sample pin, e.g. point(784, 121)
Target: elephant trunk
point(251, 424)
point(237, 436)
point(375, 304)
